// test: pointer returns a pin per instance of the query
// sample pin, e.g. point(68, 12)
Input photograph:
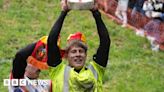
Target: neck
point(77, 70)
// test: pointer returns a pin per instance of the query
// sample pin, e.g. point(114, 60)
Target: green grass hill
point(132, 66)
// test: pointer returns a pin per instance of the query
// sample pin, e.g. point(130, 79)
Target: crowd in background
point(147, 16)
point(149, 8)
point(154, 10)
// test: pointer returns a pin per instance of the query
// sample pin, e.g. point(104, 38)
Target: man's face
point(32, 72)
point(76, 57)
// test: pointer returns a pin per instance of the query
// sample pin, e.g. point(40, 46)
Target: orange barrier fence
point(136, 22)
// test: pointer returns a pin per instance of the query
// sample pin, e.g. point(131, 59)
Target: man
point(27, 64)
point(138, 7)
point(76, 77)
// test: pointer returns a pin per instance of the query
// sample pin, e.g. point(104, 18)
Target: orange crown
point(76, 36)
point(38, 57)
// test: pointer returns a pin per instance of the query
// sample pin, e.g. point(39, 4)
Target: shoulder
point(97, 68)
point(56, 70)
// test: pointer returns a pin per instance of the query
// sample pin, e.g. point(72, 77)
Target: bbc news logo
point(24, 82)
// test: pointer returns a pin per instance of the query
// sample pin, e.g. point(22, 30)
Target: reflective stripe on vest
point(93, 71)
point(66, 79)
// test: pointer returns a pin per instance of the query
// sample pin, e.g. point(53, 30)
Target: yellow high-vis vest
point(66, 79)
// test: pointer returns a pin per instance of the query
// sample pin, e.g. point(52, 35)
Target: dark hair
point(78, 43)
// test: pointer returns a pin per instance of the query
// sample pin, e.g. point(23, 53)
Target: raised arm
point(101, 57)
point(54, 57)
point(19, 62)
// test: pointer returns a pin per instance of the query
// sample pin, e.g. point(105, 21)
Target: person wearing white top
point(121, 11)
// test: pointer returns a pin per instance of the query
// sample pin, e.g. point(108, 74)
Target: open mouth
point(78, 61)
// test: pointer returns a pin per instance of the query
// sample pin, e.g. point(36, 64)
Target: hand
point(64, 5)
point(95, 7)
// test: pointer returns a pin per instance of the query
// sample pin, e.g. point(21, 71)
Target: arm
point(101, 57)
point(54, 57)
point(19, 62)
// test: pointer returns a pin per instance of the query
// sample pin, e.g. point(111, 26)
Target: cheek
point(69, 57)
point(84, 55)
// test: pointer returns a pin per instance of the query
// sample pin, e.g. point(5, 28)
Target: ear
point(65, 55)
point(62, 52)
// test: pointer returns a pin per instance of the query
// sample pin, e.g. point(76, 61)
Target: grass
point(132, 66)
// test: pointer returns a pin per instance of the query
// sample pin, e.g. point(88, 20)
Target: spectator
point(148, 8)
point(154, 9)
point(138, 7)
point(28, 63)
point(121, 11)
point(131, 3)
point(158, 10)
point(153, 33)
